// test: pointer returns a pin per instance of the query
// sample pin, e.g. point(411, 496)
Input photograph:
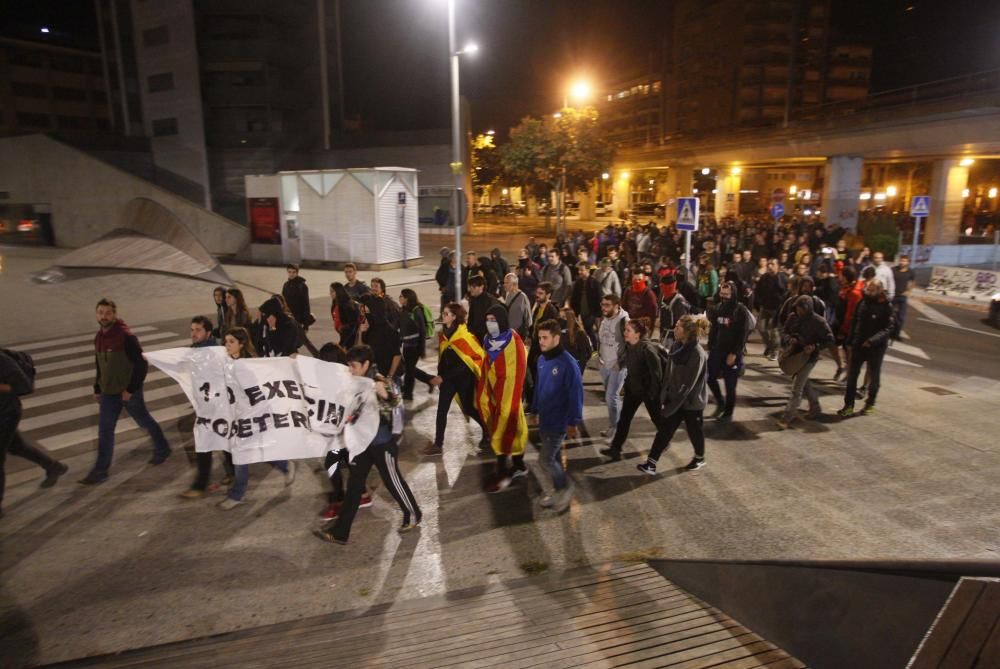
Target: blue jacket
point(558, 398)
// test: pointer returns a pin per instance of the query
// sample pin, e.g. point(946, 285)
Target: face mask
point(493, 328)
point(638, 285)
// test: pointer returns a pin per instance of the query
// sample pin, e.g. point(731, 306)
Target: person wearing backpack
point(726, 340)
point(17, 377)
point(414, 330)
point(642, 384)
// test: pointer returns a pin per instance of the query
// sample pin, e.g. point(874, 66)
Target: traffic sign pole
point(916, 238)
point(687, 253)
point(687, 220)
point(920, 208)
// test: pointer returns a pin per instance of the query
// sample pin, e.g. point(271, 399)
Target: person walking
point(768, 296)
point(15, 381)
point(884, 274)
point(237, 314)
point(607, 279)
point(683, 394)
point(445, 277)
point(611, 357)
point(413, 330)
point(868, 340)
point(345, 313)
point(585, 300)
point(499, 395)
point(296, 294)
point(382, 453)
point(460, 362)
point(480, 302)
point(808, 333)
point(121, 372)
point(276, 334)
point(642, 384)
point(673, 307)
point(558, 276)
point(904, 280)
point(543, 310)
point(576, 339)
point(640, 301)
point(557, 407)
point(518, 306)
point(355, 287)
point(378, 333)
point(239, 346)
point(726, 340)
point(219, 297)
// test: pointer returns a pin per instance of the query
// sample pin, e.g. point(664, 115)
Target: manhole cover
point(937, 390)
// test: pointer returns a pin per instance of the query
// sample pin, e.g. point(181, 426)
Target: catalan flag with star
point(499, 392)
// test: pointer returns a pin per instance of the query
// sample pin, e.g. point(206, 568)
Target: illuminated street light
point(557, 115)
point(736, 171)
point(469, 48)
point(491, 132)
point(965, 192)
point(626, 176)
point(694, 191)
point(45, 31)
point(705, 171)
point(865, 196)
point(966, 162)
point(605, 176)
point(993, 193)
point(504, 191)
point(652, 181)
point(580, 91)
point(891, 191)
point(793, 189)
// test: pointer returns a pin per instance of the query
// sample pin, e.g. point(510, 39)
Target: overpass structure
point(950, 132)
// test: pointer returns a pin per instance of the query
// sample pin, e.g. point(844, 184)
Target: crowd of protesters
point(514, 346)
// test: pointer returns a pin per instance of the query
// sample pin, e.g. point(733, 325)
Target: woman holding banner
point(459, 368)
point(239, 346)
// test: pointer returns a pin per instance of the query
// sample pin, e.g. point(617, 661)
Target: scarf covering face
point(466, 347)
point(499, 393)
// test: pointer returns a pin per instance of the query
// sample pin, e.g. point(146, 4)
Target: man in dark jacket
point(726, 339)
point(381, 337)
point(769, 295)
point(585, 300)
point(13, 383)
point(480, 302)
point(672, 307)
point(121, 371)
point(296, 294)
point(445, 276)
point(873, 323)
point(806, 332)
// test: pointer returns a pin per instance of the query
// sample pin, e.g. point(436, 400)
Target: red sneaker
point(366, 501)
point(331, 512)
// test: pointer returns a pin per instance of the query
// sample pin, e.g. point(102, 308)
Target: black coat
point(873, 322)
point(296, 294)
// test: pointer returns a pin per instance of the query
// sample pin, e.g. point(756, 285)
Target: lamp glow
point(705, 171)
point(966, 162)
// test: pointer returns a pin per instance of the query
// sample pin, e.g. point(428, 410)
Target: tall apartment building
point(47, 87)
point(747, 63)
point(223, 88)
point(631, 111)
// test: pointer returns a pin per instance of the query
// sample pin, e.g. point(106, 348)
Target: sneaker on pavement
point(160, 458)
point(331, 512)
point(229, 503)
point(846, 412)
point(610, 437)
point(719, 411)
point(518, 473)
point(696, 463)
point(93, 478)
point(868, 410)
point(53, 473)
point(547, 501)
point(192, 494)
point(290, 474)
point(783, 423)
point(724, 418)
point(606, 432)
point(366, 501)
point(410, 525)
point(327, 536)
point(648, 467)
point(499, 485)
point(563, 499)
point(614, 453)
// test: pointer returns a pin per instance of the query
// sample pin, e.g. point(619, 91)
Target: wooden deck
point(618, 616)
point(966, 634)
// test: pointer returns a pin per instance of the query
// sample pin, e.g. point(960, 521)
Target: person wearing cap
point(499, 395)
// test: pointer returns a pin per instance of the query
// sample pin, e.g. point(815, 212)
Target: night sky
point(396, 59)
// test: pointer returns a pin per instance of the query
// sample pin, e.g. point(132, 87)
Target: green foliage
point(880, 232)
point(540, 149)
point(487, 168)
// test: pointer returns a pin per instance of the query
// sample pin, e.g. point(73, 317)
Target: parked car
point(602, 208)
point(644, 209)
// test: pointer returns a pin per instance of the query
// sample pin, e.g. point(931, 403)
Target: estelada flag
point(499, 392)
point(466, 347)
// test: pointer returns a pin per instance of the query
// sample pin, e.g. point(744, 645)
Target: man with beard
point(726, 339)
point(480, 302)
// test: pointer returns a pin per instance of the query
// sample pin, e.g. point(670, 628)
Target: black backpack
point(26, 364)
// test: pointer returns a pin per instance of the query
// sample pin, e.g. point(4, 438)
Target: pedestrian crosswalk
point(62, 414)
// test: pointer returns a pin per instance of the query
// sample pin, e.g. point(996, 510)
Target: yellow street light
point(993, 193)
point(491, 132)
point(605, 176)
point(891, 191)
point(626, 176)
point(966, 162)
point(580, 91)
point(736, 171)
point(705, 171)
point(793, 189)
point(965, 192)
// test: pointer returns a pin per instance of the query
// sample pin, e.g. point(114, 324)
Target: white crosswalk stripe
point(67, 417)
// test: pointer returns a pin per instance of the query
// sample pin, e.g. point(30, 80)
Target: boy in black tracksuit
point(13, 383)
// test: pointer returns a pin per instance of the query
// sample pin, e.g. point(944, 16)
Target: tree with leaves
point(487, 168)
point(543, 151)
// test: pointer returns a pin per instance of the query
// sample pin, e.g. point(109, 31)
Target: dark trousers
point(899, 302)
point(505, 468)
point(111, 408)
point(730, 375)
point(385, 459)
point(629, 406)
point(464, 387)
point(413, 373)
point(204, 463)
point(12, 442)
point(693, 423)
point(337, 480)
point(859, 356)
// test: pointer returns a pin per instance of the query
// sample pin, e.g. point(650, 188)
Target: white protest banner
point(265, 409)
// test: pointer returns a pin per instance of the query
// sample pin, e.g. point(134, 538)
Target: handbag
point(792, 363)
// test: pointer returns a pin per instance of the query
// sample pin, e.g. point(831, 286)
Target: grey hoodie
point(684, 378)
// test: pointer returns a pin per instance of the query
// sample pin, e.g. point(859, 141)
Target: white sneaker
point(610, 436)
point(290, 474)
point(547, 501)
point(563, 498)
point(606, 432)
point(229, 503)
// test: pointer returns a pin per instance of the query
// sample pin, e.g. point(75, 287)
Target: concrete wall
point(88, 197)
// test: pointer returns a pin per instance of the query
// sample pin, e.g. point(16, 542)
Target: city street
point(91, 570)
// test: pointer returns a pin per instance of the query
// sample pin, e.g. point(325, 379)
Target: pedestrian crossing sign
point(687, 214)
point(920, 206)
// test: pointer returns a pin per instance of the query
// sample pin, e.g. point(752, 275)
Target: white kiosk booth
point(366, 216)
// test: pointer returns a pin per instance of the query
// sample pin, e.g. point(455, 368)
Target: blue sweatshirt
point(558, 398)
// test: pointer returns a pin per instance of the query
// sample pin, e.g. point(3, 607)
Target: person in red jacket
point(639, 301)
point(851, 292)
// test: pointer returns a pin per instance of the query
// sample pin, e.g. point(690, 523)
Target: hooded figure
point(276, 334)
point(499, 395)
point(381, 336)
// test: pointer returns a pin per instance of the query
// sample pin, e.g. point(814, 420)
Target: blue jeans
point(614, 381)
point(241, 478)
point(111, 409)
point(552, 457)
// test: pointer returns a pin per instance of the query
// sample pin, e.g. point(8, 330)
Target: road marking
point(36, 345)
point(92, 409)
point(88, 357)
point(959, 327)
point(900, 361)
point(909, 349)
point(87, 374)
point(930, 312)
point(67, 439)
point(89, 348)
